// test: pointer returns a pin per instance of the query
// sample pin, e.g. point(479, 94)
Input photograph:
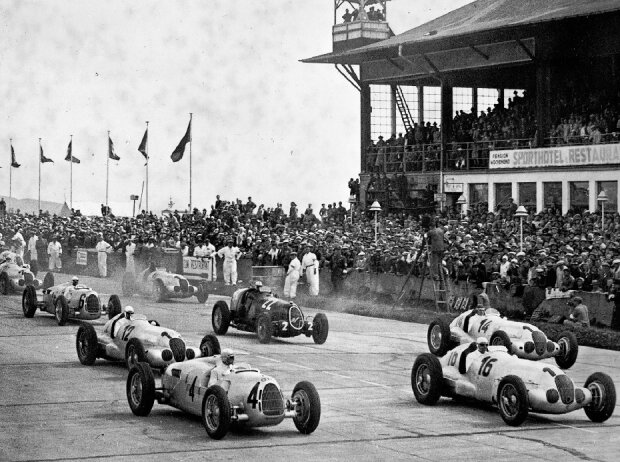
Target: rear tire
point(134, 353)
point(427, 379)
point(210, 345)
point(308, 407)
point(264, 328)
point(438, 337)
point(220, 317)
point(29, 301)
point(141, 389)
point(5, 284)
point(603, 397)
point(61, 310)
point(86, 344)
point(512, 400)
point(202, 295)
point(569, 349)
point(320, 329)
point(114, 306)
point(500, 338)
point(216, 414)
point(48, 280)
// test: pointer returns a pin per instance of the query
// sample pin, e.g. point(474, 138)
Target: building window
point(509, 94)
point(432, 105)
point(410, 94)
point(478, 197)
point(611, 189)
point(503, 194)
point(381, 115)
point(527, 196)
point(579, 197)
point(552, 195)
point(487, 98)
point(462, 100)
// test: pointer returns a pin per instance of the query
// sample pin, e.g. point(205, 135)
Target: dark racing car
point(257, 309)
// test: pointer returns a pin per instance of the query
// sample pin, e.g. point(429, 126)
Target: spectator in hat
point(230, 253)
point(103, 249)
point(578, 315)
point(54, 251)
point(338, 268)
point(293, 274)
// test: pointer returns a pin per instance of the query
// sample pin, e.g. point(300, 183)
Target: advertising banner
point(560, 156)
point(81, 258)
point(197, 266)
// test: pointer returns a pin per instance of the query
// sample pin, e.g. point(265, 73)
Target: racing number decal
point(253, 396)
point(486, 366)
point(192, 389)
point(484, 325)
point(267, 305)
point(127, 332)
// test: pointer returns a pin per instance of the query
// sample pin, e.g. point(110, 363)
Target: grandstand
point(527, 105)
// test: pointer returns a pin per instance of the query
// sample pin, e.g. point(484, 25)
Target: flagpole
point(11, 174)
point(190, 163)
point(39, 173)
point(147, 166)
point(107, 171)
point(71, 175)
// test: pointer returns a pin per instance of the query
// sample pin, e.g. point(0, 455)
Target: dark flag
point(142, 147)
point(14, 163)
point(111, 154)
point(177, 154)
point(42, 156)
point(70, 157)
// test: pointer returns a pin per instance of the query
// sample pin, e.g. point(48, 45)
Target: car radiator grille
point(272, 401)
point(177, 346)
point(566, 388)
point(540, 342)
point(92, 304)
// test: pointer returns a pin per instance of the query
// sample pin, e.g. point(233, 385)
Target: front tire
point(5, 284)
point(512, 400)
point(603, 397)
point(86, 344)
point(114, 306)
point(320, 329)
point(29, 301)
point(308, 407)
point(61, 310)
point(220, 317)
point(48, 280)
point(427, 379)
point(202, 295)
point(500, 338)
point(264, 328)
point(141, 389)
point(569, 349)
point(134, 353)
point(438, 337)
point(216, 416)
point(210, 345)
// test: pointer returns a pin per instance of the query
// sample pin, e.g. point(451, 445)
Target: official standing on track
point(54, 250)
point(34, 256)
point(310, 267)
point(130, 250)
point(103, 249)
point(292, 276)
point(230, 254)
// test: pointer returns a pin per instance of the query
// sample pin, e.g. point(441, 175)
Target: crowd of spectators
point(371, 14)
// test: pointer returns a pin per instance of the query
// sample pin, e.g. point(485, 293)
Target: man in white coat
point(19, 243)
point(230, 254)
point(310, 267)
point(54, 250)
point(103, 249)
point(130, 250)
point(292, 276)
point(34, 256)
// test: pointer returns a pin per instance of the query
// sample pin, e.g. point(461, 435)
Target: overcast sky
point(264, 124)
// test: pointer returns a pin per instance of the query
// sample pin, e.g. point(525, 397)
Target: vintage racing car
point(257, 309)
point(524, 340)
point(515, 385)
point(246, 398)
point(132, 338)
point(15, 275)
point(162, 285)
point(69, 300)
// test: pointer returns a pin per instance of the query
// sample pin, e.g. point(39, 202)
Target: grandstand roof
point(477, 17)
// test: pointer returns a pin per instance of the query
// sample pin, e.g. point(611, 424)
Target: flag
point(42, 156)
point(177, 154)
point(14, 163)
point(70, 157)
point(111, 154)
point(142, 147)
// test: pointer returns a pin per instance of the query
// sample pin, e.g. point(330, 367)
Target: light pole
point(352, 201)
point(521, 212)
point(602, 198)
point(375, 207)
point(461, 201)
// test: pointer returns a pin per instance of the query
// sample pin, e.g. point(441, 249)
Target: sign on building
point(198, 267)
point(562, 156)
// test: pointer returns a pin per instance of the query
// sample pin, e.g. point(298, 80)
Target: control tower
point(358, 23)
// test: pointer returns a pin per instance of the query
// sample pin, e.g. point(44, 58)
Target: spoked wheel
point(512, 400)
point(320, 329)
point(220, 317)
point(264, 329)
point(141, 389)
point(569, 349)
point(427, 379)
point(86, 344)
point(216, 416)
point(134, 353)
point(438, 337)
point(29, 301)
point(61, 310)
point(603, 397)
point(307, 407)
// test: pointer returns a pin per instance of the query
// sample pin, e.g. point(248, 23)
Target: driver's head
point(129, 311)
point(480, 310)
point(74, 281)
point(483, 344)
point(228, 357)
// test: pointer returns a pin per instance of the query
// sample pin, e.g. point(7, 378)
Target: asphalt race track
point(53, 408)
